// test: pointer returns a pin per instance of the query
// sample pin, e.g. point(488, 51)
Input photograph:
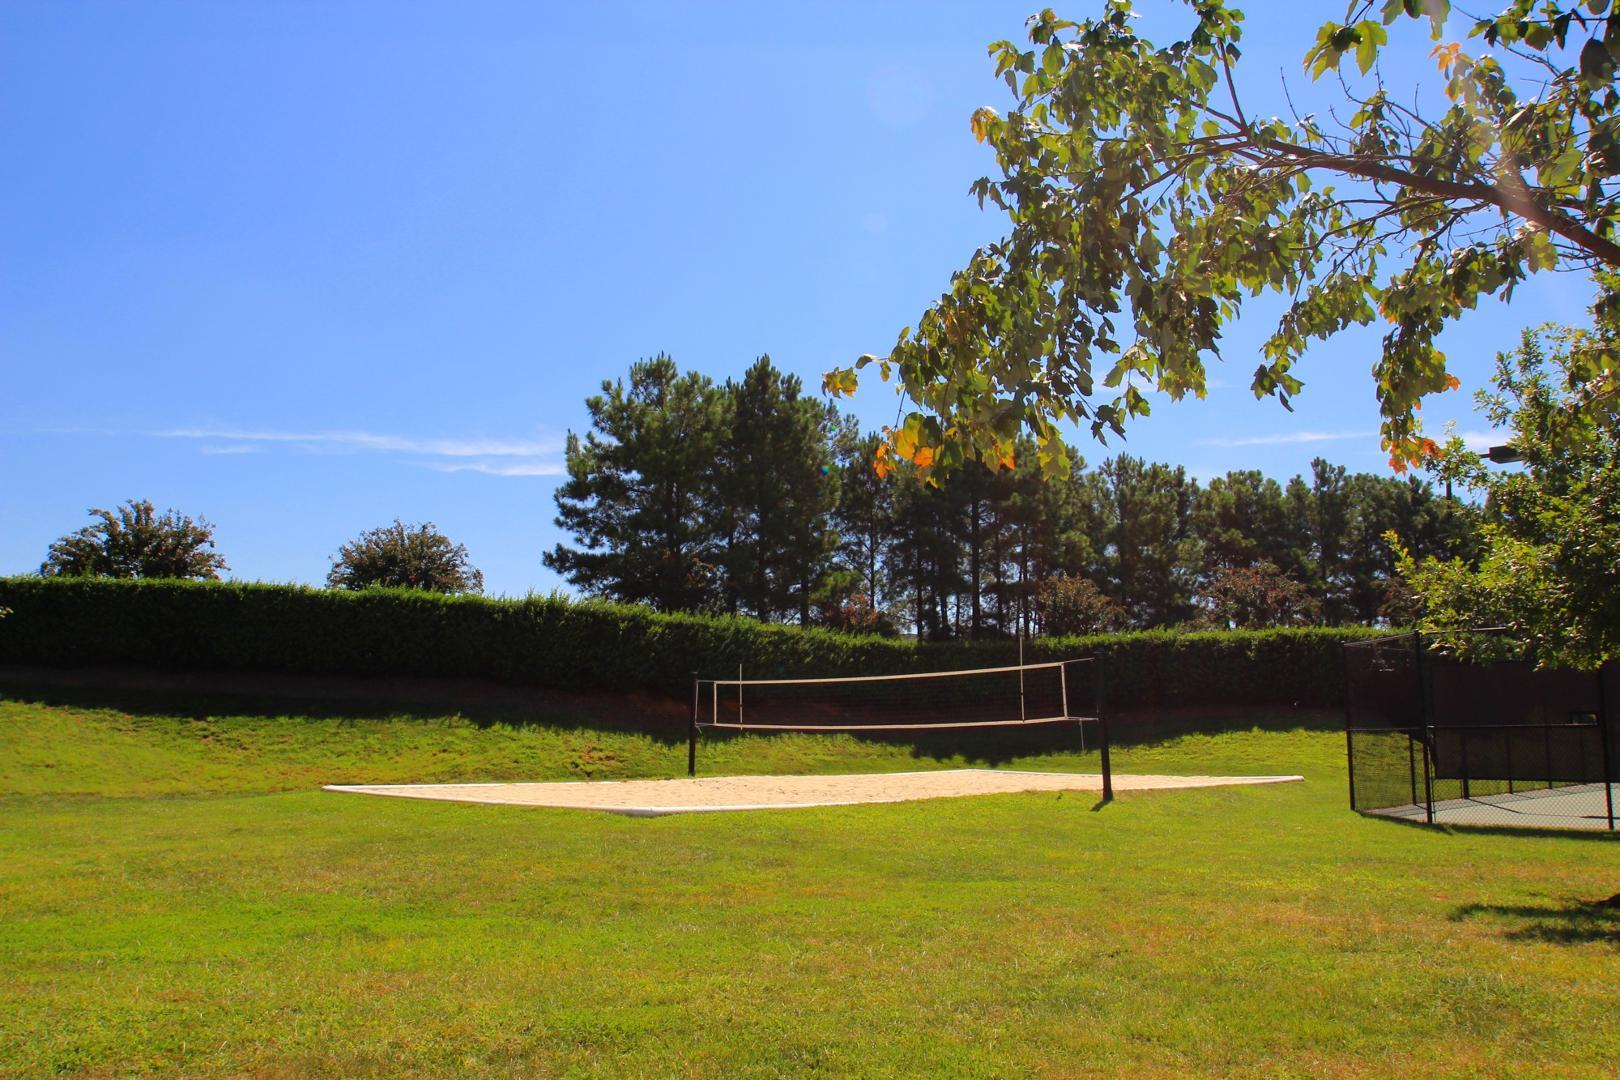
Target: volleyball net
point(917, 703)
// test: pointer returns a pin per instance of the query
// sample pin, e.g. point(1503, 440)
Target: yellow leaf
point(924, 457)
point(905, 442)
point(982, 118)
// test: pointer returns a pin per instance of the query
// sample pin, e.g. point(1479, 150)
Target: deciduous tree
point(1257, 597)
point(401, 556)
point(1150, 197)
point(1074, 605)
point(135, 541)
point(1550, 566)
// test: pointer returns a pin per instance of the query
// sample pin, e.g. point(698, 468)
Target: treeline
point(750, 497)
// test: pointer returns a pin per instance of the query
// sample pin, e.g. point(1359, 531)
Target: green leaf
point(1597, 65)
point(1052, 59)
point(1373, 37)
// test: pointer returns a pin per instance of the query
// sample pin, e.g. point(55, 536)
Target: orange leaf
point(982, 116)
point(881, 463)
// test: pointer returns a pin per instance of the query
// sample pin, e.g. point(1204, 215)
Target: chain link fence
point(1470, 731)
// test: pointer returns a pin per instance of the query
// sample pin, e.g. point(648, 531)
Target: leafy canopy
point(1550, 571)
point(1148, 201)
point(1259, 597)
point(135, 541)
point(401, 556)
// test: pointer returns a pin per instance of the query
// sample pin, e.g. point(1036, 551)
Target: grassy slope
point(175, 897)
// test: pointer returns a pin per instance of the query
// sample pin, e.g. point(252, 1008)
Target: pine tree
point(864, 514)
point(640, 494)
point(776, 491)
point(1150, 553)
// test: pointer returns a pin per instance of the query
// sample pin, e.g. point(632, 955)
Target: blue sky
point(302, 269)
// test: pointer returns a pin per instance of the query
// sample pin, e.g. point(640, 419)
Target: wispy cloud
point(1289, 438)
point(503, 468)
point(369, 440)
point(1480, 441)
point(494, 457)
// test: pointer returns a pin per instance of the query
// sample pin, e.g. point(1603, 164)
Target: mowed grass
point(177, 897)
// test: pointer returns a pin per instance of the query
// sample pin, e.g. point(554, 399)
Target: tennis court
point(655, 798)
point(1578, 806)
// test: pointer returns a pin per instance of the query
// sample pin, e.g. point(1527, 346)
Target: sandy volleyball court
point(651, 798)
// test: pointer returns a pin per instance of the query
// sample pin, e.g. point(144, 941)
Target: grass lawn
point(177, 897)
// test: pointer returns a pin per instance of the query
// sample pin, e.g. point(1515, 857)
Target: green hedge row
point(565, 644)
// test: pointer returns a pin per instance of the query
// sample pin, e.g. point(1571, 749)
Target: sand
point(653, 798)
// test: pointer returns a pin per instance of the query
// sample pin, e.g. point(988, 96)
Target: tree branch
point(1518, 204)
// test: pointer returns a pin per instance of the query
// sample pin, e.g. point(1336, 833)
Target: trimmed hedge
point(580, 645)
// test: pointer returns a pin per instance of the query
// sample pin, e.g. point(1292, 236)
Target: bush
point(405, 556)
point(579, 645)
point(1066, 606)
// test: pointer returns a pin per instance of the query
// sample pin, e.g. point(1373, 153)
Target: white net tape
point(1011, 696)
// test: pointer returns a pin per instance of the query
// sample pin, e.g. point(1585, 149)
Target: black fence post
point(1605, 744)
point(1462, 753)
point(1411, 764)
point(1507, 756)
point(1103, 740)
point(692, 731)
point(1427, 712)
point(1428, 786)
point(1349, 740)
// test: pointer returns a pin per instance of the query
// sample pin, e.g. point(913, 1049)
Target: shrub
point(565, 644)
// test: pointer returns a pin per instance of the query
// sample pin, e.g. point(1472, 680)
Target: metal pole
point(1507, 753)
point(739, 694)
point(1022, 714)
point(1546, 742)
point(692, 730)
point(1428, 787)
point(1103, 741)
point(1349, 740)
point(1605, 747)
point(1428, 726)
point(1462, 752)
point(1411, 764)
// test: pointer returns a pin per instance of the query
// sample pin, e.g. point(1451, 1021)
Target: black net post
point(692, 730)
point(1101, 706)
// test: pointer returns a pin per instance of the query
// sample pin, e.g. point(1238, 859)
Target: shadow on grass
point(1522, 832)
point(156, 693)
point(203, 695)
point(1576, 922)
point(1000, 746)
